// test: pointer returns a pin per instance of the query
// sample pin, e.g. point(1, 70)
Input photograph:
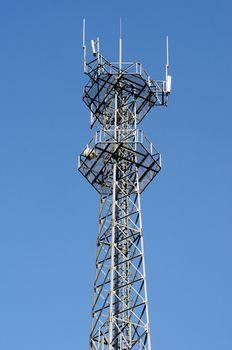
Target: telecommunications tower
point(119, 162)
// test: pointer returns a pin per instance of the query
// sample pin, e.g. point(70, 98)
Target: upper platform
point(136, 92)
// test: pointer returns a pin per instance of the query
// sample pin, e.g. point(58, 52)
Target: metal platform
point(130, 148)
point(140, 93)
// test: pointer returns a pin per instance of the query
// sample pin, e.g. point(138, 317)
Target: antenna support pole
point(120, 46)
point(84, 46)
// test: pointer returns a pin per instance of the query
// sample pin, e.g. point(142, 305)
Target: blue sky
point(49, 212)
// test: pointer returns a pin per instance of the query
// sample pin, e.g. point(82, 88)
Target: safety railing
point(122, 136)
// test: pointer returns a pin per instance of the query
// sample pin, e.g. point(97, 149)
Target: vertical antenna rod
point(120, 46)
point(167, 50)
point(83, 44)
point(83, 33)
point(168, 77)
point(167, 57)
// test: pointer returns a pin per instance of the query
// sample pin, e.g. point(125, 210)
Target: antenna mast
point(120, 45)
point(168, 77)
point(120, 162)
point(83, 44)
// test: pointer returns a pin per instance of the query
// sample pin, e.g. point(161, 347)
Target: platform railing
point(125, 136)
point(102, 65)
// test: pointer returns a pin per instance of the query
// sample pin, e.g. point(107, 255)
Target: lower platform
point(130, 149)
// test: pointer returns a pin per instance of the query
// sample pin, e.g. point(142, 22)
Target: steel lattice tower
point(120, 162)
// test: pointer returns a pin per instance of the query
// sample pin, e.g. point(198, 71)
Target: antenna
point(167, 57)
point(98, 49)
point(83, 44)
point(83, 33)
point(168, 77)
point(93, 47)
point(120, 45)
point(98, 44)
point(167, 50)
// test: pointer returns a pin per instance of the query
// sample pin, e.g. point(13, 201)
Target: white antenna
point(84, 45)
point(93, 47)
point(120, 45)
point(167, 57)
point(98, 49)
point(98, 44)
point(168, 77)
point(83, 33)
point(167, 50)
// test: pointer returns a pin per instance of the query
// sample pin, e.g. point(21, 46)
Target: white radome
point(89, 153)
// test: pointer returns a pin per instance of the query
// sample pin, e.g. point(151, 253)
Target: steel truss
point(120, 162)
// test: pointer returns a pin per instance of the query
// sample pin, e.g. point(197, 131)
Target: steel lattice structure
point(120, 162)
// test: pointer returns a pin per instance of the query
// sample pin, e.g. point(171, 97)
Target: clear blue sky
point(49, 212)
